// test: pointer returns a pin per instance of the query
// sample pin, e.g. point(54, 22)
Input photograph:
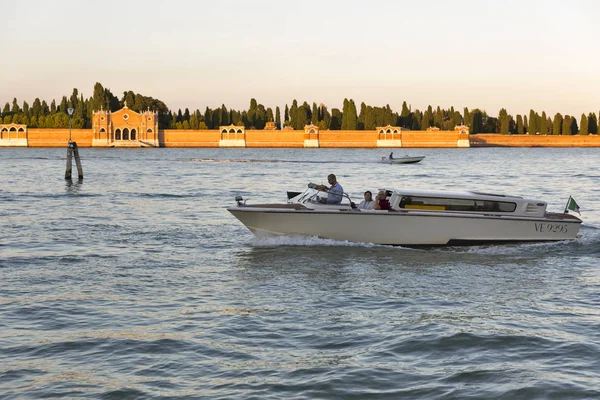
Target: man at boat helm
point(381, 203)
point(334, 193)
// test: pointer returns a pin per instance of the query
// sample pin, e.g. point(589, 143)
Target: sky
point(519, 55)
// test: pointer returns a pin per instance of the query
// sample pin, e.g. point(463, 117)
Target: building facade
point(125, 128)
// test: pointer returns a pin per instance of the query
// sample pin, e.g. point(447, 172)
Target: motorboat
point(416, 218)
point(401, 160)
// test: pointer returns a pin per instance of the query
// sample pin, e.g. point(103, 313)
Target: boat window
point(449, 204)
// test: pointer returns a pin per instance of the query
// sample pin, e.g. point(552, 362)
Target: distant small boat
point(402, 160)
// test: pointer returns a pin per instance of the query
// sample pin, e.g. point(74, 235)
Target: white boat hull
point(411, 228)
point(402, 160)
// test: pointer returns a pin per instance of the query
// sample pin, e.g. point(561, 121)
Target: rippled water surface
point(137, 283)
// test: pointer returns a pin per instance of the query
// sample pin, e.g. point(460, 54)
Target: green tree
point(573, 128)
point(336, 119)
point(36, 108)
point(15, 107)
point(557, 124)
point(361, 116)
point(25, 108)
point(277, 118)
point(532, 128)
point(520, 129)
point(369, 119)
point(286, 115)
point(99, 99)
point(544, 124)
point(208, 118)
point(349, 117)
point(566, 126)
point(592, 124)
point(64, 104)
point(584, 125)
point(478, 124)
point(6, 109)
point(224, 115)
point(315, 114)
point(504, 121)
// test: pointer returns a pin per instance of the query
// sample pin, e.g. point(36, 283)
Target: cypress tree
point(208, 118)
point(520, 128)
point(64, 104)
point(566, 125)
point(369, 118)
point(592, 124)
point(557, 124)
point(349, 117)
point(584, 125)
point(361, 116)
point(270, 117)
point(532, 129)
point(6, 109)
point(224, 115)
point(45, 108)
point(467, 118)
point(53, 107)
point(478, 125)
point(293, 118)
point(336, 119)
point(286, 115)
point(278, 117)
point(544, 124)
point(573, 128)
point(15, 107)
point(504, 121)
point(36, 109)
point(314, 119)
point(301, 118)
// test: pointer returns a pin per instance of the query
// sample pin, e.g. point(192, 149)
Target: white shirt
point(366, 205)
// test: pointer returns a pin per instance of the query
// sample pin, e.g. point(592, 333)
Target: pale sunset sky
point(487, 54)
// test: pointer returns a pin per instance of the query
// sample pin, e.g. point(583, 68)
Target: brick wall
point(495, 140)
point(38, 137)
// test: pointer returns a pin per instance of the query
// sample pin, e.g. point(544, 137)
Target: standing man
point(335, 192)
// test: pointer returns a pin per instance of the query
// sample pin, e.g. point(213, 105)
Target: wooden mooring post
point(73, 150)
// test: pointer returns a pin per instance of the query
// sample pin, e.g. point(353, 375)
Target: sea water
point(137, 283)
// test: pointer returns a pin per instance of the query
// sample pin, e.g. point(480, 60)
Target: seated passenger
point(367, 203)
point(381, 203)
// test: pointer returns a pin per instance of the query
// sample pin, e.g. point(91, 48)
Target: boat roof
point(454, 194)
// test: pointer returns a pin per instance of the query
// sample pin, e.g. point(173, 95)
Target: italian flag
point(572, 206)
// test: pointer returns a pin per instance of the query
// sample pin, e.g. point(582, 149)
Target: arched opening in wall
point(463, 131)
point(224, 131)
point(4, 133)
point(239, 131)
point(133, 134)
point(102, 130)
point(126, 134)
point(118, 134)
point(311, 131)
point(13, 129)
point(21, 130)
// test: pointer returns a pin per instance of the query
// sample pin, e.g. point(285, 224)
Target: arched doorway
point(118, 134)
point(133, 134)
point(125, 134)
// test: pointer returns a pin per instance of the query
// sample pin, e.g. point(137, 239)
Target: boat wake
point(301, 240)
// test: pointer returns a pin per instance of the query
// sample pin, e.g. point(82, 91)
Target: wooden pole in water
point(69, 164)
point(72, 150)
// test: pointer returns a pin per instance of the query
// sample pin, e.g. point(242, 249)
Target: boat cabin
point(465, 202)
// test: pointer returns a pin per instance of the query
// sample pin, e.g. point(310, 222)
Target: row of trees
point(42, 115)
